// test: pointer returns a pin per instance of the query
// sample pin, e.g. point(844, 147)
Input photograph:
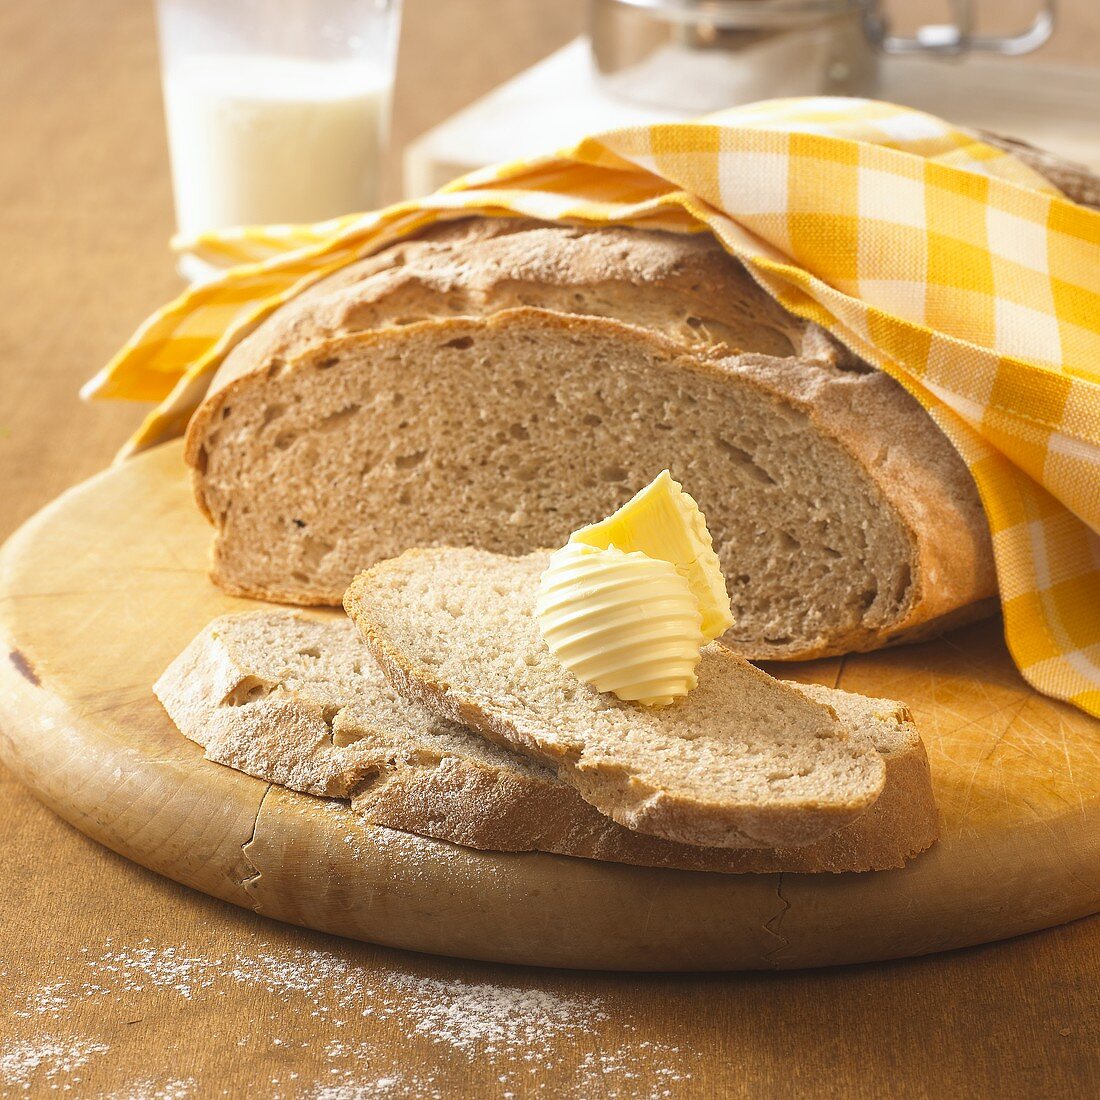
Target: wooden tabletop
point(115, 982)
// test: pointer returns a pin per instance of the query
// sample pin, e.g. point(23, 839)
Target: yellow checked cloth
point(945, 262)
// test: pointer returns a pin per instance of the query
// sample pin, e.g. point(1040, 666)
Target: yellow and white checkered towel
point(945, 262)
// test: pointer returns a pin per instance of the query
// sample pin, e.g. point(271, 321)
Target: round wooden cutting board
point(103, 588)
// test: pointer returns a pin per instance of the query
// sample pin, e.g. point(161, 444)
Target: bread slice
point(498, 383)
point(262, 692)
point(741, 761)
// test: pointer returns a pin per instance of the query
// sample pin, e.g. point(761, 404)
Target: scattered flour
point(531, 1039)
point(489, 1019)
point(151, 1089)
point(393, 1085)
point(45, 1061)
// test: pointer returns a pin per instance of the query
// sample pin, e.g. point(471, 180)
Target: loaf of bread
point(498, 382)
point(301, 702)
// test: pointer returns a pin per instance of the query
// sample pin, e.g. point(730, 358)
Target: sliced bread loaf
point(301, 702)
point(497, 383)
point(741, 761)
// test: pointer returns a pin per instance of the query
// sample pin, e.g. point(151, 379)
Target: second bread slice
point(742, 761)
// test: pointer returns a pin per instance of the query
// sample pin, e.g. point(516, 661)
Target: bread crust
point(460, 802)
point(475, 267)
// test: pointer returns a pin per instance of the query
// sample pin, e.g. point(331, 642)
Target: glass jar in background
point(703, 55)
point(277, 110)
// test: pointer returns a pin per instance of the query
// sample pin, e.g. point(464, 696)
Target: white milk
point(258, 139)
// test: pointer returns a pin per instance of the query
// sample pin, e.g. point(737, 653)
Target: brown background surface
point(114, 982)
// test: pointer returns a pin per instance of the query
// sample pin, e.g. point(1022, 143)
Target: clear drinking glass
point(277, 110)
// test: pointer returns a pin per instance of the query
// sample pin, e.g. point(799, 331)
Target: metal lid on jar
point(729, 14)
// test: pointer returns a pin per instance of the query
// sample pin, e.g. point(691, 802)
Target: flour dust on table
point(528, 1036)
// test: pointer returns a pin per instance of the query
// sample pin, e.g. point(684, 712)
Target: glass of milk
point(277, 110)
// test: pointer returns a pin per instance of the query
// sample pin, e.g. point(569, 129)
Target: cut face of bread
point(265, 692)
point(741, 761)
point(500, 385)
point(291, 700)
